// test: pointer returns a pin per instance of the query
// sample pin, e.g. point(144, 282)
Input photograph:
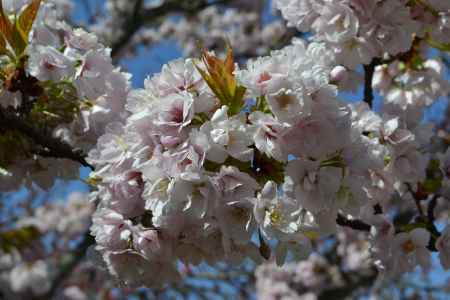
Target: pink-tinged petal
point(444, 257)
point(423, 258)
point(400, 239)
point(270, 190)
point(420, 237)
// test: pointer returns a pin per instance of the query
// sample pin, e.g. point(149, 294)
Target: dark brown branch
point(368, 77)
point(49, 145)
point(417, 196)
point(431, 206)
point(429, 217)
point(354, 223)
point(140, 17)
point(377, 209)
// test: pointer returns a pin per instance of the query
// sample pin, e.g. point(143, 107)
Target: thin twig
point(377, 209)
point(416, 199)
point(368, 77)
point(352, 223)
point(141, 17)
point(431, 206)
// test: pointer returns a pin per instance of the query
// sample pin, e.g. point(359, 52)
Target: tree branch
point(431, 206)
point(51, 146)
point(141, 17)
point(354, 224)
point(377, 209)
point(368, 77)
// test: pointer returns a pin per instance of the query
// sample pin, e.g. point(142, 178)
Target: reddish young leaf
point(26, 19)
point(6, 27)
point(219, 75)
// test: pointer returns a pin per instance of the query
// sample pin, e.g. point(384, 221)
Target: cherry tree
point(245, 155)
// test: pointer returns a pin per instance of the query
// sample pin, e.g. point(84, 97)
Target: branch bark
point(50, 146)
point(354, 223)
point(368, 77)
point(140, 17)
point(431, 206)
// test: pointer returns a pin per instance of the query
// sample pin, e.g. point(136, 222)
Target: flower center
point(284, 100)
point(408, 246)
point(265, 76)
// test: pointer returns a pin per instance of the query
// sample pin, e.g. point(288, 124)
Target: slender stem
point(354, 223)
point(416, 199)
point(377, 209)
point(369, 70)
point(141, 17)
point(431, 206)
point(49, 145)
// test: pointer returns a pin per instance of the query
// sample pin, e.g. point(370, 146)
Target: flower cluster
point(212, 156)
point(358, 31)
point(69, 218)
point(409, 88)
point(59, 53)
point(302, 281)
point(64, 82)
point(200, 167)
point(212, 26)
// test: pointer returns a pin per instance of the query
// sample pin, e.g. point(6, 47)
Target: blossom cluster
point(361, 32)
point(302, 281)
point(212, 156)
point(212, 26)
point(59, 53)
point(79, 91)
point(358, 31)
point(193, 175)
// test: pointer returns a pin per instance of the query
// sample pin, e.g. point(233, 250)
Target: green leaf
point(19, 44)
point(437, 45)
point(432, 185)
point(335, 161)
point(199, 119)
point(262, 105)
point(18, 239)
